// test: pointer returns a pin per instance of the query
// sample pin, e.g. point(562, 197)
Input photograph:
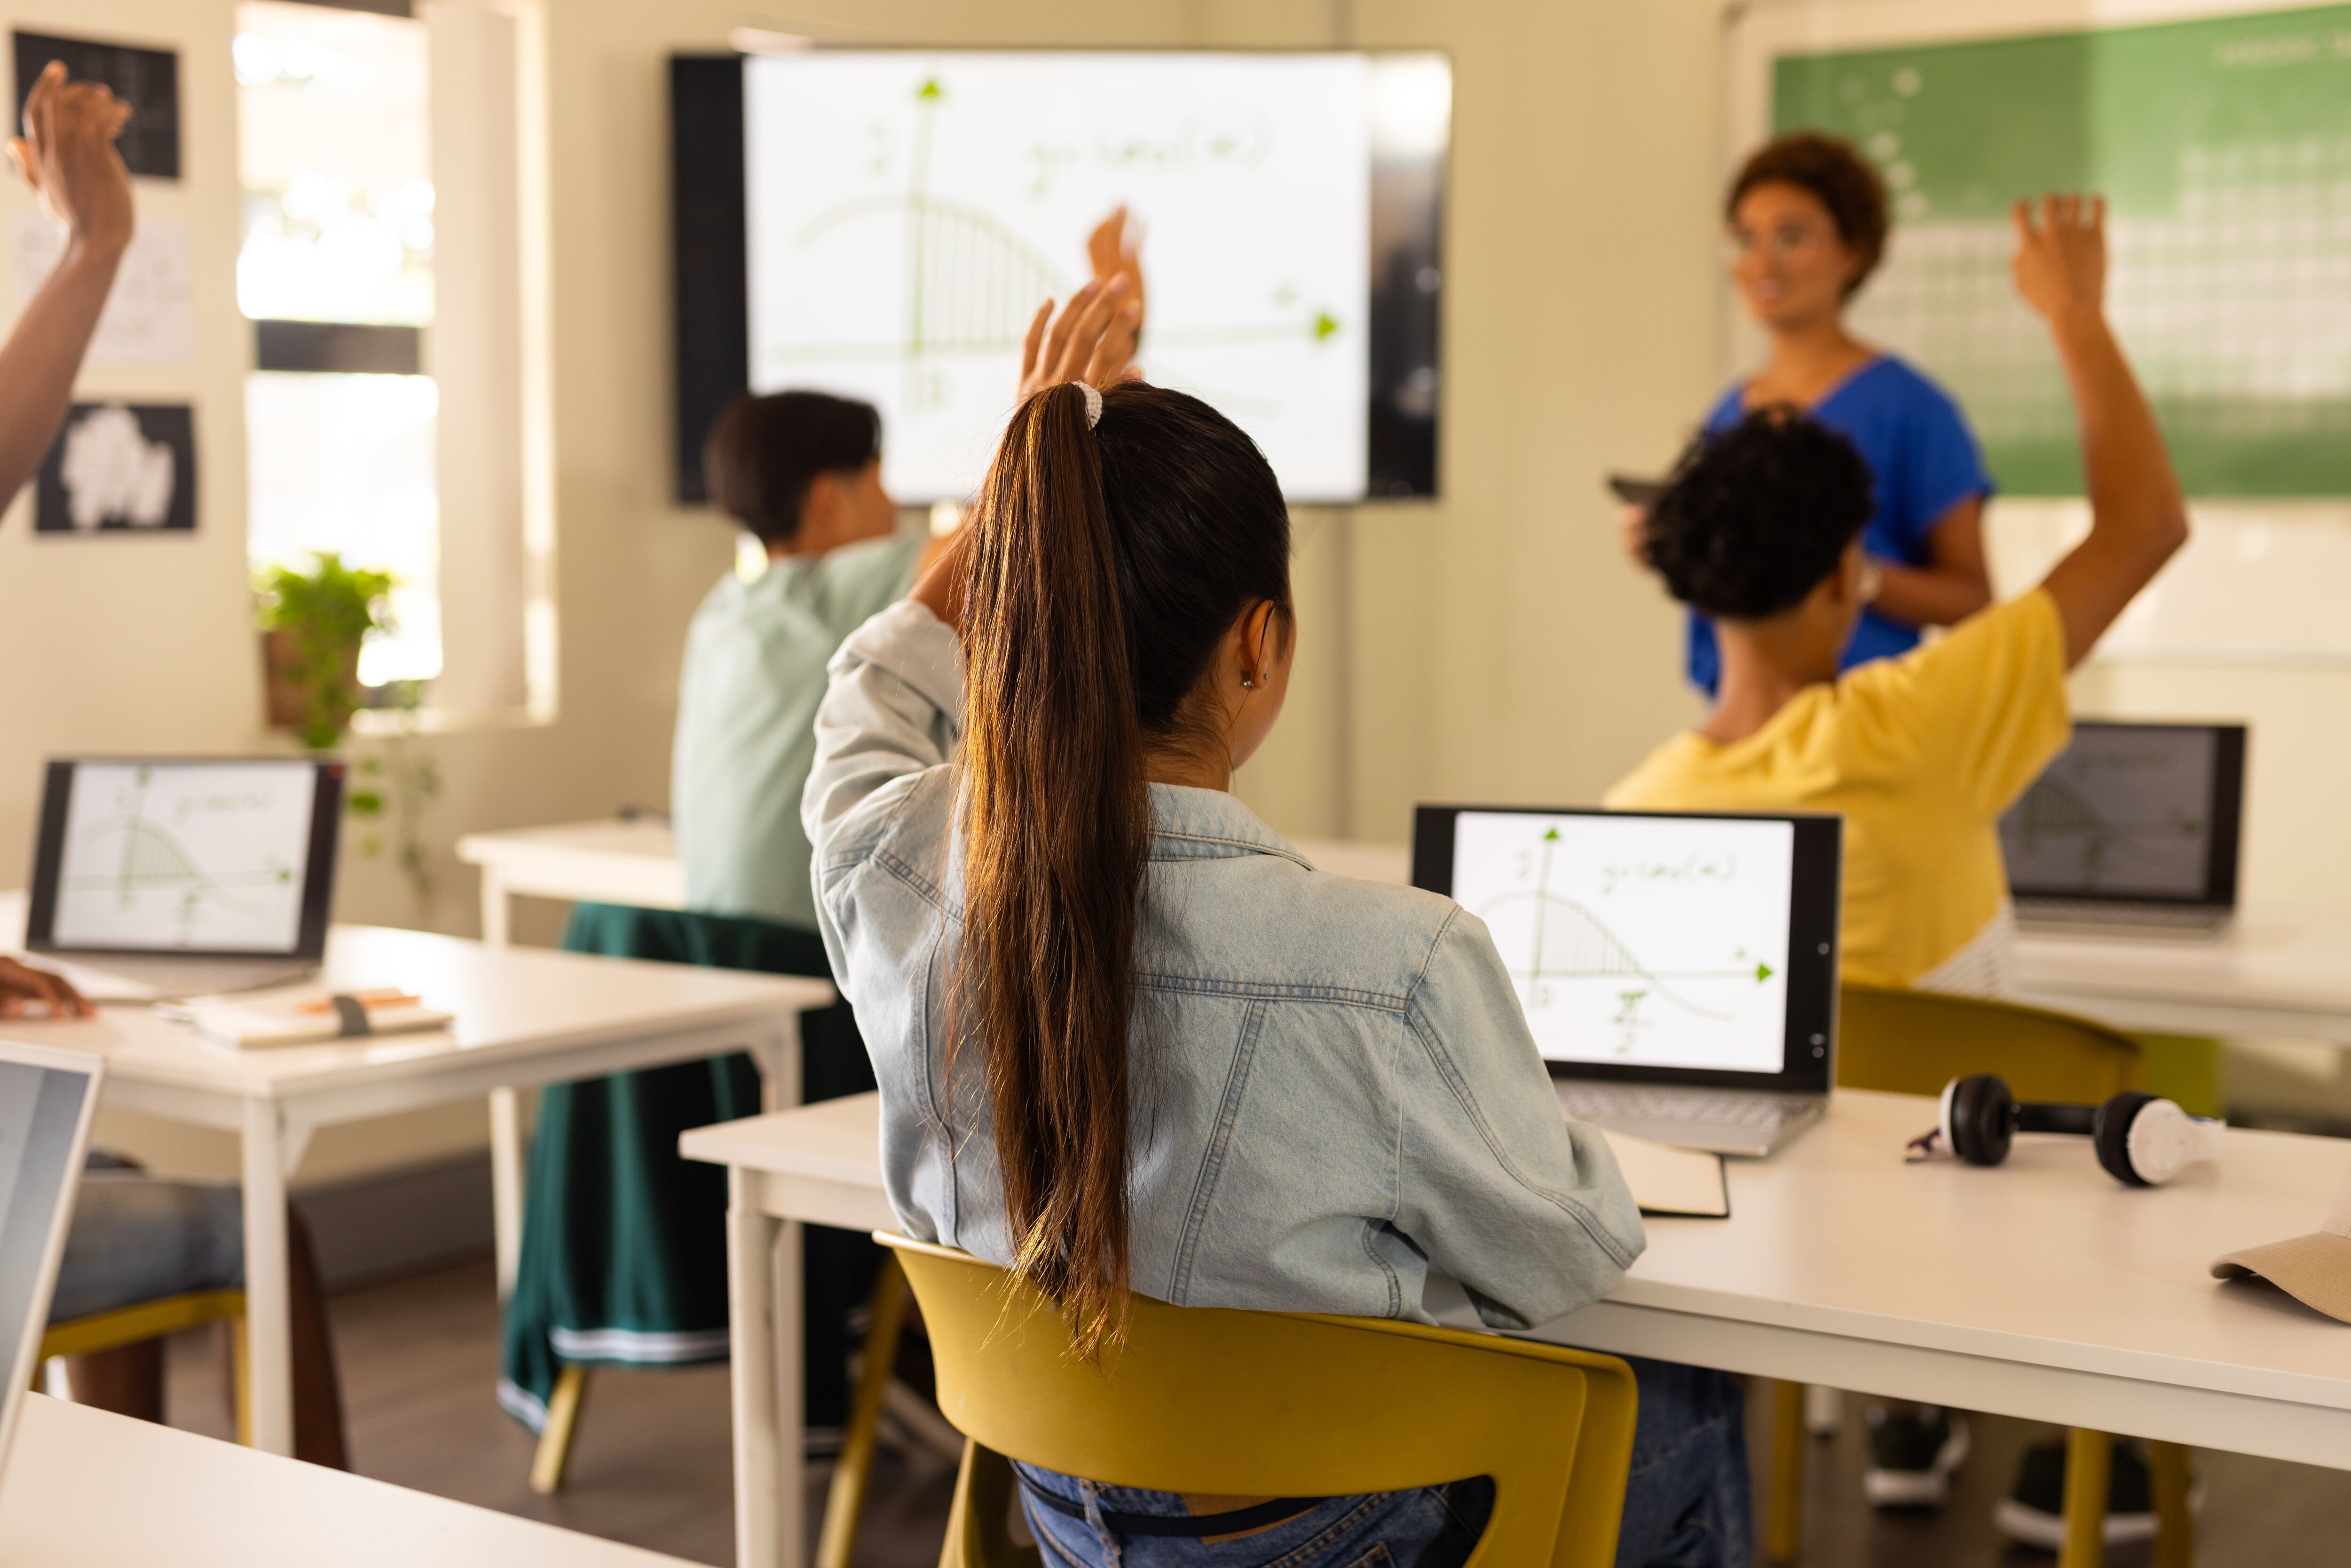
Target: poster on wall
point(147, 80)
point(150, 314)
point(120, 468)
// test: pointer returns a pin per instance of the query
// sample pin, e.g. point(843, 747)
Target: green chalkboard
point(2224, 148)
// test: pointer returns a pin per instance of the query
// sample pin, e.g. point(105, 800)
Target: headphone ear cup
point(2110, 1135)
point(1983, 1119)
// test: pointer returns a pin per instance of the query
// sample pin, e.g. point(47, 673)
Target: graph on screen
point(905, 216)
point(1649, 941)
point(2122, 811)
point(199, 857)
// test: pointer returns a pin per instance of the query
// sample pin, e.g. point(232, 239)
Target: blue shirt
point(1926, 462)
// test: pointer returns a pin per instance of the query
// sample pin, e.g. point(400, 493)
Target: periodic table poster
point(2224, 146)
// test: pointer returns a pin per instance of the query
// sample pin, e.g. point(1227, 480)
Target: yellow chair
point(1241, 1404)
point(153, 1320)
point(1913, 1043)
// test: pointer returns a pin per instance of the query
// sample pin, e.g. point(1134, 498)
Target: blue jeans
point(136, 1238)
point(1686, 1504)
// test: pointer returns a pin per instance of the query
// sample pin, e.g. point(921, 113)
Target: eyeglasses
point(1781, 242)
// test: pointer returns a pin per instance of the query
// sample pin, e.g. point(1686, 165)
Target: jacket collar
point(1210, 824)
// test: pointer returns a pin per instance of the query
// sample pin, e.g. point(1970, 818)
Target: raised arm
point(67, 155)
point(2137, 518)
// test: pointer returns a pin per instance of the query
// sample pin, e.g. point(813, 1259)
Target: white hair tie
point(1093, 403)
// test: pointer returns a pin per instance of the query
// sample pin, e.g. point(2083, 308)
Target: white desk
point(85, 1489)
point(2275, 971)
point(2042, 1289)
point(523, 1018)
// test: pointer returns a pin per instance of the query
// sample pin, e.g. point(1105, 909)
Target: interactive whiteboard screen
point(1653, 942)
point(205, 857)
point(907, 212)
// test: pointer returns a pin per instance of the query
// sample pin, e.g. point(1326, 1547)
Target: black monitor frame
point(711, 303)
point(319, 877)
point(1815, 902)
point(2223, 843)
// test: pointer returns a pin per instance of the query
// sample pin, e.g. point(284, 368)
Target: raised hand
point(22, 986)
point(67, 156)
point(1112, 252)
point(2061, 255)
point(1083, 344)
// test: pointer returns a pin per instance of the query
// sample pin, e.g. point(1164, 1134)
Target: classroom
point(1309, 784)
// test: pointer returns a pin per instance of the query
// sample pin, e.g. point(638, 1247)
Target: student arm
point(893, 709)
point(1953, 585)
point(67, 155)
point(2137, 519)
point(1504, 1194)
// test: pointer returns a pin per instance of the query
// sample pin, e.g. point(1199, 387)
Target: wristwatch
point(1873, 579)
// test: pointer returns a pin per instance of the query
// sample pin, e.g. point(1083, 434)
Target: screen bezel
point(90, 1068)
point(2222, 843)
point(318, 872)
point(710, 270)
point(1808, 1054)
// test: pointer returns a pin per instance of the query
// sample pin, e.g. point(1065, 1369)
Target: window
point(398, 410)
point(336, 268)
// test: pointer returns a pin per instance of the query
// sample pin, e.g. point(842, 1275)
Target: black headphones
point(2142, 1141)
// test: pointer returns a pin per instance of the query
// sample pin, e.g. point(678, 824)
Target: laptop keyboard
point(2095, 911)
point(1636, 1103)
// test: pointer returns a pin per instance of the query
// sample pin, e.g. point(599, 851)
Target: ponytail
point(1103, 568)
point(1057, 825)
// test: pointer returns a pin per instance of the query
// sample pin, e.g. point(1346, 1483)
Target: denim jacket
point(1336, 1096)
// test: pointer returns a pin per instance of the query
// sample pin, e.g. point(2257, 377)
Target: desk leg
point(268, 1322)
point(506, 1177)
point(763, 1281)
point(777, 1055)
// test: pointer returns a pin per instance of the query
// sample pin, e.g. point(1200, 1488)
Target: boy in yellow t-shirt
point(1760, 530)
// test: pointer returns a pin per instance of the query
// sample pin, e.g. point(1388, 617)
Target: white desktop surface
point(2275, 970)
point(85, 1489)
point(2042, 1289)
point(606, 861)
point(523, 1018)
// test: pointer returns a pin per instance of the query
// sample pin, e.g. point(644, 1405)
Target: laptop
point(48, 1097)
point(163, 877)
point(2133, 828)
point(1678, 971)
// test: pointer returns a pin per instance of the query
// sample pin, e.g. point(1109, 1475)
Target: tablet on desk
point(170, 876)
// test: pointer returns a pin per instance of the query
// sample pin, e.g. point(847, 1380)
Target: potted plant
point(313, 622)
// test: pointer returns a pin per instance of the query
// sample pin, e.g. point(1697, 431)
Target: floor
point(419, 1360)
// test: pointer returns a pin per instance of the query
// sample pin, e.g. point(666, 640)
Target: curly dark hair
point(1755, 518)
point(1834, 173)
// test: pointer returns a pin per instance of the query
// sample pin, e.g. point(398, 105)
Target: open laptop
point(1678, 971)
point(164, 877)
point(48, 1097)
point(2133, 828)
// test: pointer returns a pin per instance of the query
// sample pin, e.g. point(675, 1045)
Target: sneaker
point(2034, 1509)
point(1912, 1456)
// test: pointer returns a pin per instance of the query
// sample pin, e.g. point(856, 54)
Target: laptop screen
point(1663, 946)
point(232, 856)
point(46, 1098)
point(2132, 813)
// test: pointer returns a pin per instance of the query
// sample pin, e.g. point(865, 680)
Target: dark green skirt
point(623, 1242)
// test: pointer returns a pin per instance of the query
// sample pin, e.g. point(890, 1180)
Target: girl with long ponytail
point(1127, 1039)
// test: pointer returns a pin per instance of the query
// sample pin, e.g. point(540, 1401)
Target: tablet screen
point(1648, 942)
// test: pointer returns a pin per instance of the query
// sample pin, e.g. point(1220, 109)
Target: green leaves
point(322, 616)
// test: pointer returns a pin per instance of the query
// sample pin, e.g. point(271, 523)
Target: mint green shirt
point(746, 705)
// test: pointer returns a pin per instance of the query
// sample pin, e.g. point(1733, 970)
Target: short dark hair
point(1755, 518)
point(1837, 176)
point(762, 453)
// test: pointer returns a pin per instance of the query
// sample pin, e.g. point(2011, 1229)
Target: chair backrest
point(1913, 1043)
point(1243, 1404)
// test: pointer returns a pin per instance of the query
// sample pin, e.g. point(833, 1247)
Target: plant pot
point(282, 693)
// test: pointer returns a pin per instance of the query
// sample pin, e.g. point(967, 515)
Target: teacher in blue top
point(1808, 226)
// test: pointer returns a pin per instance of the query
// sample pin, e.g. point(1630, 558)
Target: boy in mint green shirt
point(802, 471)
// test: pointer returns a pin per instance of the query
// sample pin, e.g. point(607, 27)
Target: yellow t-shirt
point(1921, 755)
